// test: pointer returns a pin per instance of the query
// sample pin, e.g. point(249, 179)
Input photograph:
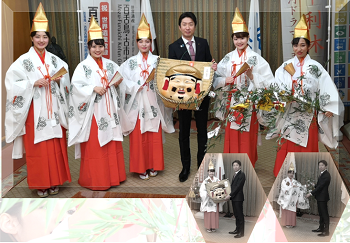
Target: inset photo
point(308, 197)
point(226, 197)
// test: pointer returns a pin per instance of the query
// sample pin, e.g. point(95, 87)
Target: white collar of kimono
point(92, 60)
point(297, 67)
point(214, 178)
point(139, 57)
point(296, 60)
point(247, 50)
point(237, 171)
point(33, 53)
point(323, 171)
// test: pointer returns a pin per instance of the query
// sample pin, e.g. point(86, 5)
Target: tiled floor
point(304, 226)
point(226, 225)
point(167, 181)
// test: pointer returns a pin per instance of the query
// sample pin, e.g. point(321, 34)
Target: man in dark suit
point(191, 48)
point(321, 194)
point(237, 198)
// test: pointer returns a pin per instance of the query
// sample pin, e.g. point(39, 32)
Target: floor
point(166, 182)
point(226, 225)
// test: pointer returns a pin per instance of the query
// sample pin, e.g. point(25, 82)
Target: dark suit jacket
point(178, 50)
point(321, 188)
point(237, 187)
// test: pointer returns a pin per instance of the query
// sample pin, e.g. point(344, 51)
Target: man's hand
point(227, 197)
point(214, 65)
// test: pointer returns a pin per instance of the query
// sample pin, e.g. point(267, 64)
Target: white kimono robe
point(84, 103)
point(19, 82)
point(294, 126)
point(207, 204)
point(291, 197)
point(146, 105)
point(262, 78)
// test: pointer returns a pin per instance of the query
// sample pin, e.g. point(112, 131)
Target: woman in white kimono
point(146, 112)
point(95, 117)
point(241, 137)
point(36, 109)
point(292, 195)
point(301, 130)
point(210, 209)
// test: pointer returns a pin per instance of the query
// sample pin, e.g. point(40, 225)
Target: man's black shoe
point(183, 176)
point(239, 235)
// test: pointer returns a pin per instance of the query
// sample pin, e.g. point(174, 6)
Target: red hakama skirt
point(243, 142)
point(211, 219)
point(146, 150)
point(101, 167)
point(288, 217)
point(47, 161)
point(288, 146)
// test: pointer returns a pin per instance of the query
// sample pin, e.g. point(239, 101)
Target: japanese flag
point(146, 9)
point(254, 26)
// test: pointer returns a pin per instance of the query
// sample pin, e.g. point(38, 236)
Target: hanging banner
point(126, 17)
point(317, 18)
point(118, 20)
point(340, 49)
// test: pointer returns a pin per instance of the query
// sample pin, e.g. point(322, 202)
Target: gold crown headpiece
point(238, 23)
point(40, 22)
point(301, 30)
point(95, 31)
point(143, 31)
point(211, 165)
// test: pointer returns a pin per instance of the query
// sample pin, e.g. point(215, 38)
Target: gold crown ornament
point(291, 167)
point(238, 23)
point(95, 31)
point(40, 22)
point(301, 30)
point(211, 165)
point(143, 31)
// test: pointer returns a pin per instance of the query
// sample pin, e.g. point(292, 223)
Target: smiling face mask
point(181, 82)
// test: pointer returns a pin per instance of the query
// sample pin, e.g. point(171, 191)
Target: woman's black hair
point(290, 171)
point(295, 41)
point(188, 15)
point(34, 33)
point(141, 39)
point(99, 42)
point(240, 35)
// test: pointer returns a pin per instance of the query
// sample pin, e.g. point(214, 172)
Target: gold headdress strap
point(95, 31)
point(238, 23)
point(143, 31)
point(40, 22)
point(301, 30)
